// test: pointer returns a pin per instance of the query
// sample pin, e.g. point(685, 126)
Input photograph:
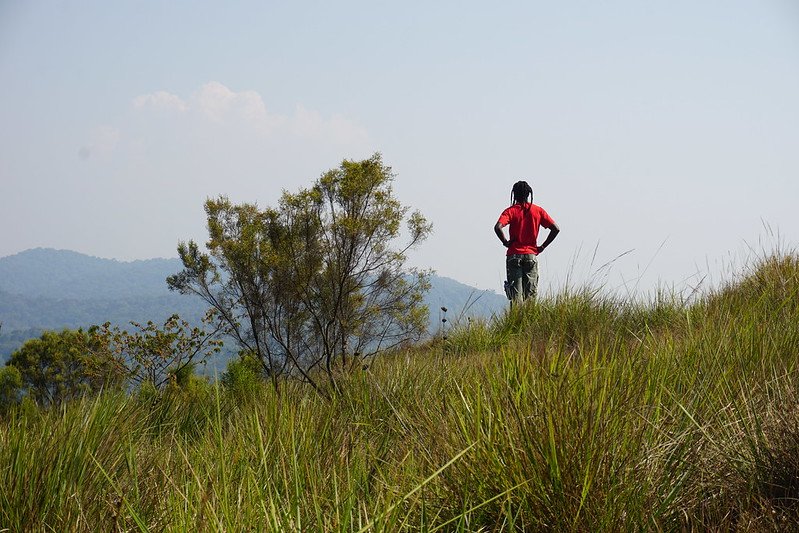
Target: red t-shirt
point(524, 220)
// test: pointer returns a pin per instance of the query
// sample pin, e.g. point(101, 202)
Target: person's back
point(524, 219)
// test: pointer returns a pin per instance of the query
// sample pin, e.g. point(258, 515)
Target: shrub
point(10, 387)
point(242, 377)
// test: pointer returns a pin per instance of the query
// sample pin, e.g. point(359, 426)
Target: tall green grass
point(582, 412)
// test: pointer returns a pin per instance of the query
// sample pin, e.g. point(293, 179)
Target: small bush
point(184, 382)
point(243, 377)
point(10, 387)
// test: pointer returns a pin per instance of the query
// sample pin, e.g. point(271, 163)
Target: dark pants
point(522, 276)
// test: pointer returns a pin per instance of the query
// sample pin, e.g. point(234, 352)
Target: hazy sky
point(667, 129)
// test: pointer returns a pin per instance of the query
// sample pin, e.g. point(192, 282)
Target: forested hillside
point(64, 274)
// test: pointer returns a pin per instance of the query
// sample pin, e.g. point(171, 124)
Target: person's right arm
point(501, 234)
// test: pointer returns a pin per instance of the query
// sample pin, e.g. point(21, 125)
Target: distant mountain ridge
point(66, 274)
point(46, 288)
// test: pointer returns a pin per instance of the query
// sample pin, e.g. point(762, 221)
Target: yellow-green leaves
point(317, 282)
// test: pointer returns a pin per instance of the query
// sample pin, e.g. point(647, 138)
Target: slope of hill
point(585, 412)
point(53, 289)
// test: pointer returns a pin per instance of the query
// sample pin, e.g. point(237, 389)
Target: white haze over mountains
point(660, 136)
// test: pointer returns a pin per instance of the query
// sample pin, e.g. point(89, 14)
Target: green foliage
point(313, 283)
point(158, 354)
point(146, 393)
point(586, 415)
point(243, 377)
point(185, 383)
point(60, 366)
point(10, 387)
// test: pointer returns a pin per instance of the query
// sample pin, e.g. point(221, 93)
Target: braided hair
point(520, 191)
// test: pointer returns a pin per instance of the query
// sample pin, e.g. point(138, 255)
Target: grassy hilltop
point(579, 413)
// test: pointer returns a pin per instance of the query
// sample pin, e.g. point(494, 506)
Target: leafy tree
point(160, 354)
point(316, 281)
point(60, 366)
point(10, 387)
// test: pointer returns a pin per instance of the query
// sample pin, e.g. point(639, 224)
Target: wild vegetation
point(61, 366)
point(581, 412)
point(316, 282)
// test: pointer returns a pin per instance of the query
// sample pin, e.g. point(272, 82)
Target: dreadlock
point(520, 191)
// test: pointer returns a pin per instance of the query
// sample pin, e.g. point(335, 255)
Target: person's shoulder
point(506, 215)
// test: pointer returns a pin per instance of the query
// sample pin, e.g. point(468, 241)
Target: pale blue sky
point(666, 128)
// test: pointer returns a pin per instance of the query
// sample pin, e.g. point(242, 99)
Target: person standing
point(525, 218)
